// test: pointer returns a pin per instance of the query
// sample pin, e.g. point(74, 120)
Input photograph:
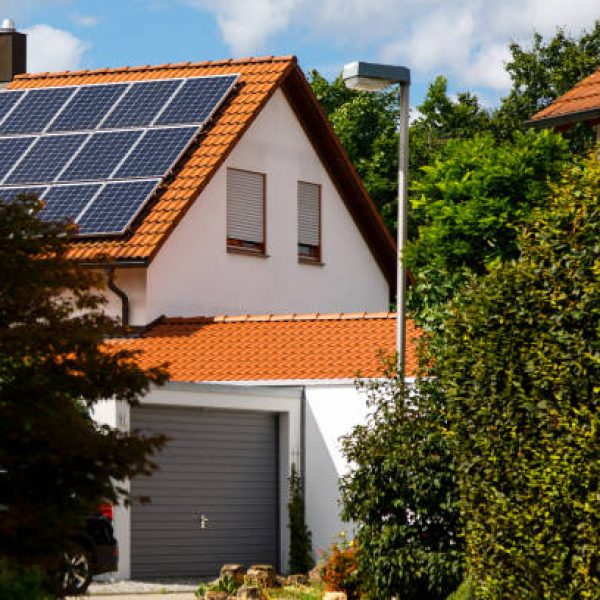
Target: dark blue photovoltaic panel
point(99, 157)
point(156, 152)
point(11, 150)
point(65, 202)
point(7, 101)
point(141, 104)
point(8, 194)
point(36, 110)
point(88, 107)
point(46, 159)
point(115, 207)
point(196, 100)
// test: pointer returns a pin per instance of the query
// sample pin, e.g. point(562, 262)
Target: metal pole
point(402, 224)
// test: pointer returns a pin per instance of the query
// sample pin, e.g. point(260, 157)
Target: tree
point(56, 464)
point(544, 72)
point(403, 494)
point(301, 560)
point(471, 203)
point(521, 369)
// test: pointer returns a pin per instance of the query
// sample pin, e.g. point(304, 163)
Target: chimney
point(13, 52)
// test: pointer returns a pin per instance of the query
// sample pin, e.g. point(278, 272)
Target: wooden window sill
point(305, 260)
point(246, 251)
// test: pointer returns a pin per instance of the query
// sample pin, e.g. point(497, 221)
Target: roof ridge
point(271, 317)
point(161, 67)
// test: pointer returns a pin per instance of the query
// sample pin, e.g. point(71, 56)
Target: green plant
point(403, 493)
point(339, 568)
point(521, 369)
point(223, 584)
point(21, 583)
point(301, 560)
point(466, 591)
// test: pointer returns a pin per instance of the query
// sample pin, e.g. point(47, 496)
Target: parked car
point(92, 551)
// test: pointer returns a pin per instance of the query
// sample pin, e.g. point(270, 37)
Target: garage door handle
point(203, 520)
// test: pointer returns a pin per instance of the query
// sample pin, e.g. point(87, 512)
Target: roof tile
point(272, 347)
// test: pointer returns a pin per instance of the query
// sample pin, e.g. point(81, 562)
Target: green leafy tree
point(56, 464)
point(542, 73)
point(521, 369)
point(301, 560)
point(471, 204)
point(402, 493)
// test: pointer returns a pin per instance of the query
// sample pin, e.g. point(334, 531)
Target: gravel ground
point(128, 590)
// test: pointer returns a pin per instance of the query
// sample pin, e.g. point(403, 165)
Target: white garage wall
point(331, 412)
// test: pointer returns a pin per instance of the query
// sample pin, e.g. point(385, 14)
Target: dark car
point(92, 551)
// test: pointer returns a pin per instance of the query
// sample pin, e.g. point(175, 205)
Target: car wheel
point(76, 571)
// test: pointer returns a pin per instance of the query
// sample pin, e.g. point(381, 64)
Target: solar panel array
point(96, 153)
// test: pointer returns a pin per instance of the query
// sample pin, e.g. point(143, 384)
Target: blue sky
point(466, 40)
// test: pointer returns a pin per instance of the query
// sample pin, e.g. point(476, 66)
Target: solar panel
point(46, 159)
point(8, 194)
point(115, 207)
point(140, 105)
point(11, 149)
point(65, 202)
point(101, 155)
point(196, 100)
point(156, 152)
point(88, 107)
point(7, 101)
point(97, 151)
point(36, 110)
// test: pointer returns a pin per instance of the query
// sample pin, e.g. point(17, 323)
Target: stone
point(314, 575)
point(297, 579)
point(216, 596)
point(264, 575)
point(250, 592)
point(334, 596)
point(236, 572)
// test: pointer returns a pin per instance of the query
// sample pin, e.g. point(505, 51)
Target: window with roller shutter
point(245, 210)
point(309, 221)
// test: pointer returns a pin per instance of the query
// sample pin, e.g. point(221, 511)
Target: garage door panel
point(222, 464)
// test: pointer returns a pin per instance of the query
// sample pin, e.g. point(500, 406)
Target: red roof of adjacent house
point(582, 103)
point(272, 347)
point(258, 79)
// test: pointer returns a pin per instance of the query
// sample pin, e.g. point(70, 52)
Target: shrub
point(22, 583)
point(339, 571)
point(521, 368)
point(301, 560)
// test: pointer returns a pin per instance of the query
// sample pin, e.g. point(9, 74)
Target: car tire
point(76, 571)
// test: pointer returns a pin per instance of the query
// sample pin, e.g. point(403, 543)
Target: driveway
point(141, 590)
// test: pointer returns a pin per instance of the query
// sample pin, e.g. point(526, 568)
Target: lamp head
point(372, 77)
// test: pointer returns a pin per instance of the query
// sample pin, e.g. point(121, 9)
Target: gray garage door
point(220, 467)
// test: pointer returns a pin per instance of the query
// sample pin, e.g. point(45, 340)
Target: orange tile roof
point(272, 347)
point(577, 104)
point(258, 79)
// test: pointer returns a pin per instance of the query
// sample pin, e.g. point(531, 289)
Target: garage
point(214, 498)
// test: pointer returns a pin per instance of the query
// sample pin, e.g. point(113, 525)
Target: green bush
point(22, 584)
point(521, 369)
point(466, 591)
point(301, 560)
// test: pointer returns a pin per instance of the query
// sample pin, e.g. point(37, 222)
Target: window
point(245, 211)
point(309, 221)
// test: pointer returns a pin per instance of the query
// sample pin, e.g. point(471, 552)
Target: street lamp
point(371, 77)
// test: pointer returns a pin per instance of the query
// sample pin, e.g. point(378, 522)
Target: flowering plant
point(339, 569)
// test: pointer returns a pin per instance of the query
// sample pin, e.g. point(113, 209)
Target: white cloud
point(85, 20)
point(51, 49)
point(466, 41)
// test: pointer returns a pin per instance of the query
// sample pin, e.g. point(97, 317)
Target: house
point(579, 105)
point(207, 189)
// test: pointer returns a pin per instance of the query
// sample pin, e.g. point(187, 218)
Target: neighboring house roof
point(258, 79)
point(272, 347)
point(582, 103)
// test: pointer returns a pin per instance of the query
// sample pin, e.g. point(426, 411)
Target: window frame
point(315, 256)
point(236, 245)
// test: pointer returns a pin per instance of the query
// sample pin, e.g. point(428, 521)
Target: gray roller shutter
point(309, 198)
point(220, 464)
point(245, 206)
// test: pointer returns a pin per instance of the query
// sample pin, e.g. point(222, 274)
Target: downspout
point(110, 271)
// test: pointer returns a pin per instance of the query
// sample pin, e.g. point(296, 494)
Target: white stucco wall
point(194, 275)
point(331, 412)
point(133, 282)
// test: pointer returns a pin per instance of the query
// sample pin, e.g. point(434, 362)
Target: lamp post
point(371, 77)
